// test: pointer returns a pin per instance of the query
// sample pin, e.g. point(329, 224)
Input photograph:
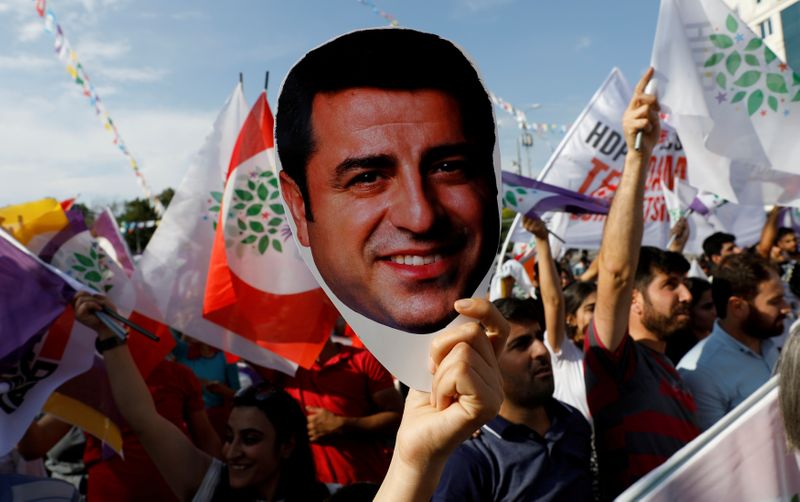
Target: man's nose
point(414, 206)
point(684, 294)
point(538, 350)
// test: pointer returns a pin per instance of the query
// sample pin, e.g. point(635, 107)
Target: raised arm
point(181, 464)
point(622, 235)
point(768, 233)
point(549, 284)
point(680, 235)
point(466, 393)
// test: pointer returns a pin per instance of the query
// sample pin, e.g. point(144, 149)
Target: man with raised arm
point(642, 411)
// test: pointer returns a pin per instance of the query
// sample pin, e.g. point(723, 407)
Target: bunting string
point(369, 3)
point(78, 74)
point(522, 119)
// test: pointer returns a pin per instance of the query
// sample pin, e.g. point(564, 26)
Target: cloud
point(483, 5)
point(55, 146)
point(583, 43)
point(122, 74)
point(30, 31)
point(92, 49)
point(189, 15)
point(25, 62)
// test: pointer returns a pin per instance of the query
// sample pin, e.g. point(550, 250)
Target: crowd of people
point(570, 387)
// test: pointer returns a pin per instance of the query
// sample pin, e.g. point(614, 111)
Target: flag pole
point(266, 81)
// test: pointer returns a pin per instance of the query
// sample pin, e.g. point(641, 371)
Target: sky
point(164, 70)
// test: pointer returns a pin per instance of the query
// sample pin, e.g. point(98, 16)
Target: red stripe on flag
point(58, 335)
point(146, 352)
point(293, 326)
point(255, 135)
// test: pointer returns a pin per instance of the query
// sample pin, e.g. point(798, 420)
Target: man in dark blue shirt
point(537, 448)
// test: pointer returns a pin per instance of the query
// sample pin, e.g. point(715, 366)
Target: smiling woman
point(266, 451)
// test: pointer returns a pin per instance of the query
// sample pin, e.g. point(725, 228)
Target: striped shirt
point(643, 412)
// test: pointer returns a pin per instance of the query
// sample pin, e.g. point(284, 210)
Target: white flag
point(171, 275)
point(590, 160)
point(742, 457)
point(732, 101)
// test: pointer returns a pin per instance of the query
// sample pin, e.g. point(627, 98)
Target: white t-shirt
point(568, 375)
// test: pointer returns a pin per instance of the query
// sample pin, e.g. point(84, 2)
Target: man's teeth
point(407, 259)
point(237, 467)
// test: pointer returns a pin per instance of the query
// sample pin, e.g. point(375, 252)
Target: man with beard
point(537, 448)
point(740, 354)
point(642, 411)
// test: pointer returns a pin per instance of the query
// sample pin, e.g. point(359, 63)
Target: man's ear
point(637, 303)
point(294, 198)
point(737, 308)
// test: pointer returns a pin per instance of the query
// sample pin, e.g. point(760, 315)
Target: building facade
point(777, 22)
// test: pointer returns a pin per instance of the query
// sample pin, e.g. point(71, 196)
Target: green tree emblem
point(92, 268)
point(740, 71)
point(514, 197)
point(215, 202)
point(256, 214)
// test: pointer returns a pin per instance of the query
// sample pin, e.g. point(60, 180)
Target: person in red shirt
point(642, 411)
point(353, 411)
point(178, 398)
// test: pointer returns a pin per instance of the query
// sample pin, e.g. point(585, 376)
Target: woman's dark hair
point(574, 295)
point(298, 477)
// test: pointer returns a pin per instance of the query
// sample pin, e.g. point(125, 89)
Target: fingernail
point(463, 304)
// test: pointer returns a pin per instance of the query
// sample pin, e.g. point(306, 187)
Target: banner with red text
point(590, 160)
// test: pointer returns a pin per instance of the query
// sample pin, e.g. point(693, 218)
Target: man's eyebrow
point(442, 151)
point(367, 161)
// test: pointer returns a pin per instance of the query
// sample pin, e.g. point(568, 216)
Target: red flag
point(258, 286)
point(66, 204)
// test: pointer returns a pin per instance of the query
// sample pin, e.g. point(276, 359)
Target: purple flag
point(31, 295)
point(106, 227)
point(534, 198)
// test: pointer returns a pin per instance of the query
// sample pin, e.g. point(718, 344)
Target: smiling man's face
point(404, 216)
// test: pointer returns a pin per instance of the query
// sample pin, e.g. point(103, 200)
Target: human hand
point(322, 422)
point(642, 115)
point(535, 226)
point(466, 392)
point(86, 306)
point(679, 234)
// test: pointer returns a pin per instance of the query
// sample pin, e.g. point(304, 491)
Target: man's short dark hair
point(739, 275)
point(782, 231)
point(653, 260)
point(391, 59)
point(521, 311)
point(714, 242)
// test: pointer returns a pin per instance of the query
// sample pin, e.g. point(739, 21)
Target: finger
point(645, 99)
point(478, 400)
point(494, 323)
point(639, 124)
point(470, 333)
point(461, 357)
point(643, 81)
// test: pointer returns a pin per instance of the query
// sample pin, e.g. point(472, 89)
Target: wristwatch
point(109, 343)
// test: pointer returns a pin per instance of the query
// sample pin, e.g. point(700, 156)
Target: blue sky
point(164, 69)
